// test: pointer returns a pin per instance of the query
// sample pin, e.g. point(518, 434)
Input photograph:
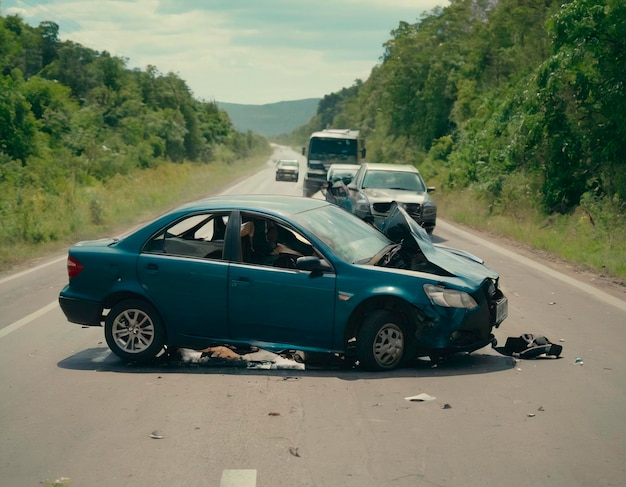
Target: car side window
point(198, 236)
point(273, 244)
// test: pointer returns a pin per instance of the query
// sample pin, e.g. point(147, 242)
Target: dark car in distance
point(283, 273)
point(287, 169)
point(376, 186)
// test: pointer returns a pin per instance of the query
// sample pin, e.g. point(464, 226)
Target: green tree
point(17, 123)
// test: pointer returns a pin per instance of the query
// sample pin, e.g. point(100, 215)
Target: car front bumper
point(454, 330)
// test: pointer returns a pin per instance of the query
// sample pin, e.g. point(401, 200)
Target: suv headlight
point(429, 210)
point(449, 298)
point(362, 204)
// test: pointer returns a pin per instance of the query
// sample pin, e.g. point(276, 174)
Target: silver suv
point(375, 187)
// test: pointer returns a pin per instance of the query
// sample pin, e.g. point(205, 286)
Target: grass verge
point(106, 209)
point(583, 238)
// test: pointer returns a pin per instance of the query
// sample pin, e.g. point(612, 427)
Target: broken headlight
point(449, 298)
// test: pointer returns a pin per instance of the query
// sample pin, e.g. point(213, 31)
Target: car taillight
point(73, 267)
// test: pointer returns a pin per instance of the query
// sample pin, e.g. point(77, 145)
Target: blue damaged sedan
point(283, 273)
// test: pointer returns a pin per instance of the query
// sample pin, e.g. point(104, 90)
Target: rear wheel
point(134, 331)
point(382, 341)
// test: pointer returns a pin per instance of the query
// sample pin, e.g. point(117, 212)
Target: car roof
point(279, 204)
point(379, 166)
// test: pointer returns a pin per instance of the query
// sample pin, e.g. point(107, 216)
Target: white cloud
point(239, 51)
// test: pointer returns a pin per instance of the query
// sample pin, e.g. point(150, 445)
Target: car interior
point(266, 242)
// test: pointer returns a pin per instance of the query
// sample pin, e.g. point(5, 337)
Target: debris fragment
point(531, 415)
point(540, 408)
point(420, 398)
point(221, 352)
point(446, 406)
point(529, 346)
point(263, 359)
point(190, 356)
point(294, 451)
point(578, 361)
point(223, 356)
point(63, 481)
point(272, 413)
point(157, 435)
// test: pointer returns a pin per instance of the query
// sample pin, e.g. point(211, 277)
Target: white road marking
point(27, 319)
point(238, 478)
point(607, 298)
point(32, 269)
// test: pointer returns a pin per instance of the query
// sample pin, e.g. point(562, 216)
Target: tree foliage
point(72, 117)
point(492, 91)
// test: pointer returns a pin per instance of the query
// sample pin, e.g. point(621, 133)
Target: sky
point(237, 51)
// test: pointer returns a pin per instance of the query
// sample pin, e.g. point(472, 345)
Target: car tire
point(134, 331)
point(382, 341)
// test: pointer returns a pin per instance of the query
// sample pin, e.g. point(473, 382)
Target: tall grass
point(593, 236)
point(35, 224)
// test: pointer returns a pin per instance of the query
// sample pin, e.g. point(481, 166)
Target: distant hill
point(271, 119)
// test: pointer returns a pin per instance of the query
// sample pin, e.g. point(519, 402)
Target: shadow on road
point(101, 360)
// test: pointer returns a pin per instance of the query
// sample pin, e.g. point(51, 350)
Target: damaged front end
point(465, 301)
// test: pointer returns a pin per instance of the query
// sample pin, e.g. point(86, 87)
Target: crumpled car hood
point(377, 194)
point(400, 227)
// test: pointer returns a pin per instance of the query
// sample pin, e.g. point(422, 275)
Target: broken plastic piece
point(528, 346)
point(420, 398)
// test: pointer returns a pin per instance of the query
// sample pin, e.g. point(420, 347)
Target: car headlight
point(362, 204)
point(429, 210)
point(449, 298)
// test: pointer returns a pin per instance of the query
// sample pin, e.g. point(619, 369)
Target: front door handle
point(241, 281)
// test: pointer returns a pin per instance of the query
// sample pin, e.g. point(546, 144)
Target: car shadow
point(101, 360)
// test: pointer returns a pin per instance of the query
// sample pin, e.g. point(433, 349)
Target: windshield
point(327, 148)
point(351, 238)
point(408, 181)
point(288, 163)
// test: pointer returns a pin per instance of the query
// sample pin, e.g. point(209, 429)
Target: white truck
point(328, 147)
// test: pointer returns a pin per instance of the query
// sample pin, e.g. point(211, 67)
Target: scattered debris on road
point(420, 398)
point(529, 346)
point(223, 356)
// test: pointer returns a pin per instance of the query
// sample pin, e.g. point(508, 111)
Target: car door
point(281, 305)
point(183, 271)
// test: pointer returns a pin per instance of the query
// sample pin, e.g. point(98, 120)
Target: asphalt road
point(73, 413)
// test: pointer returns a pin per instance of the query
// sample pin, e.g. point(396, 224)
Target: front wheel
point(134, 331)
point(382, 341)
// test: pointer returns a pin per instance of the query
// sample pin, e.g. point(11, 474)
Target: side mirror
point(313, 264)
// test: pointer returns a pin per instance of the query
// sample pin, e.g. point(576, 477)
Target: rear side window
point(197, 236)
